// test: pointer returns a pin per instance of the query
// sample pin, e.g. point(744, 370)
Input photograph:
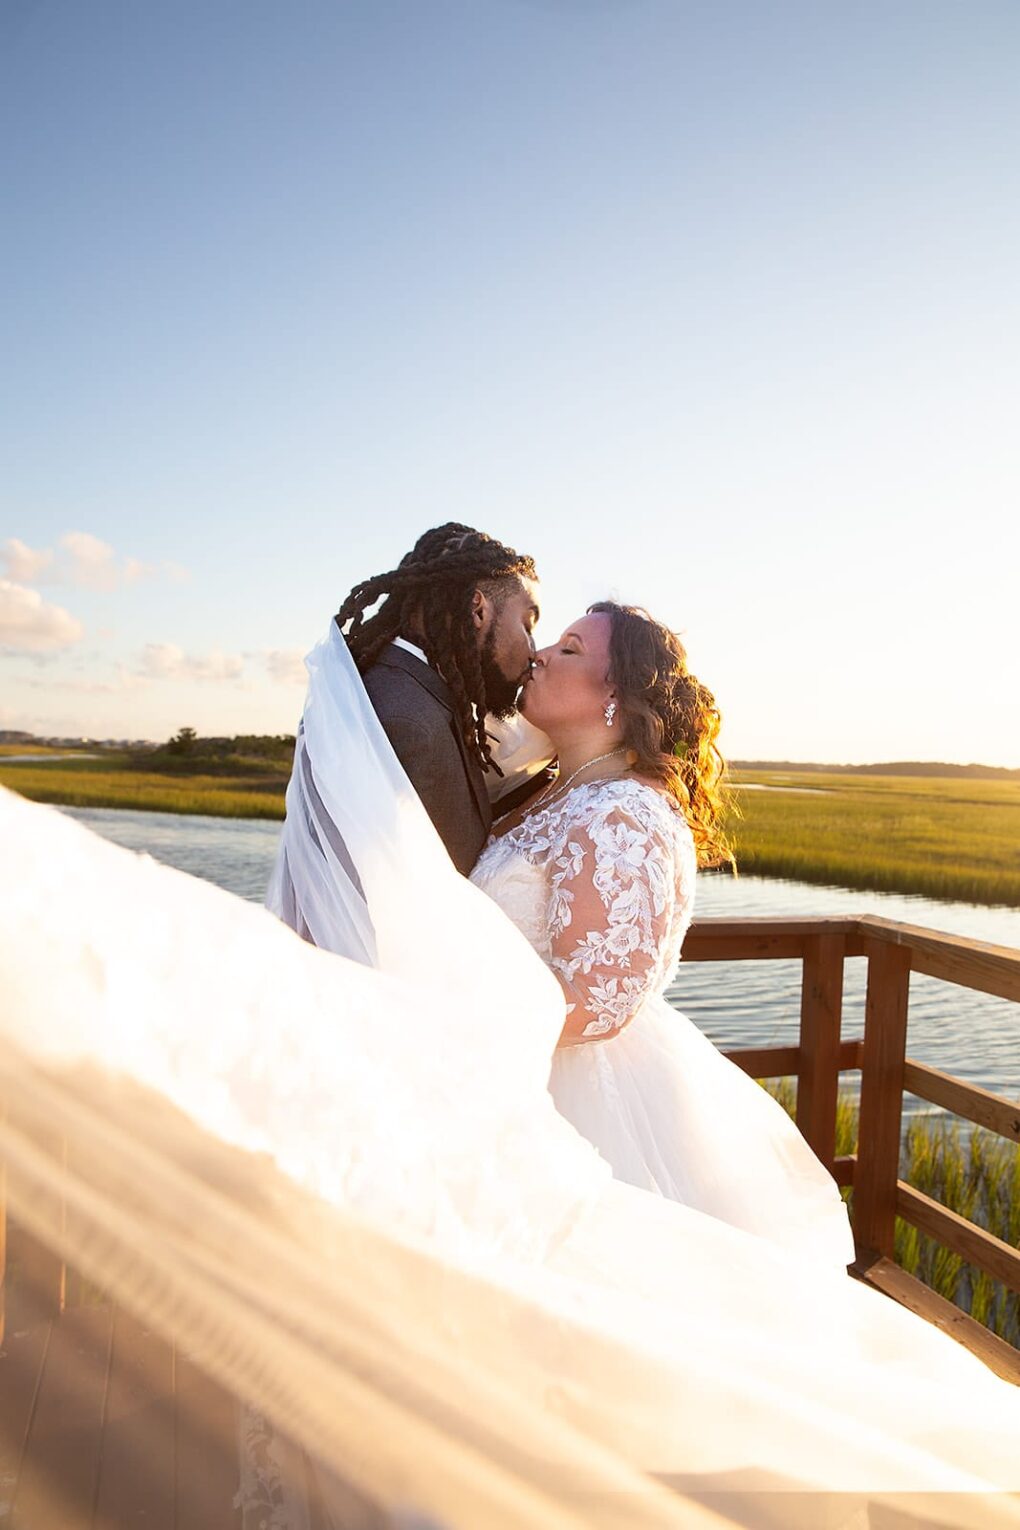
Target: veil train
point(349, 1189)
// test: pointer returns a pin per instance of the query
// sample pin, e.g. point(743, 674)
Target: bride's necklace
point(559, 788)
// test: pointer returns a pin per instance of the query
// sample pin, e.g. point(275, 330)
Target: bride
point(347, 1179)
point(598, 872)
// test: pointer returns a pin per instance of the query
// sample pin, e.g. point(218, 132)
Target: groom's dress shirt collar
point(419, 653)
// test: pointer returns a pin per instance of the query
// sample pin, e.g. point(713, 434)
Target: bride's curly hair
point(670, 722)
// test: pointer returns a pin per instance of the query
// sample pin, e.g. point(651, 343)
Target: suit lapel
point(433, 682)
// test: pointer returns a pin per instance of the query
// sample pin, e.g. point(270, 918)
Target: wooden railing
point(893, 952)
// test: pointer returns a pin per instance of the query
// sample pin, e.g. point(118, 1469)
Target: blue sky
point(713, 308)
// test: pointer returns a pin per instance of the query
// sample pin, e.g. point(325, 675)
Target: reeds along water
point(939, 838)
point(972, 1172)
point(205, 796)
point(977, 1176)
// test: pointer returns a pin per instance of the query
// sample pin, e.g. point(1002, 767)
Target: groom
point(451, 642)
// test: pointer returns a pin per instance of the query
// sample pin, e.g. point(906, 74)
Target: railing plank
point(764, 947)
point(976, 1104)
point(878, 1153)
point(766, 1062)
point(723, 927)
point(886, 1276)
point(844, 1169)
point(965, 1238)
point(953, 958)
point(821, 1011)
point(785, 1062)
point(724, 940)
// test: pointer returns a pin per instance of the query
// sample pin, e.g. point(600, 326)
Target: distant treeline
point(892, 768)
point(245, 753)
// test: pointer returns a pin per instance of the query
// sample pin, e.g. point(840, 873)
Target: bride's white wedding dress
point(601, 883)
point(352, 1191)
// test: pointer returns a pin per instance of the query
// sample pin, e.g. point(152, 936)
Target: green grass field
point(114, 782)
point(943, 838)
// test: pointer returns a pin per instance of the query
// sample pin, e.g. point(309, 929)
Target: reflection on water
point(736, 1004)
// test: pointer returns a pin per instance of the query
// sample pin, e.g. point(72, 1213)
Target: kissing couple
point(524, 919)
point(593, 860)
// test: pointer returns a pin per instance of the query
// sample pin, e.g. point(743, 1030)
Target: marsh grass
point(909, 834)
point(31, 748)
point(976, 1174)
point(147, 791)
point(946, 838)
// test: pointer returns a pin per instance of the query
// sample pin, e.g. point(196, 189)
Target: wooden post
point(878, 1153)
point(821, 1010)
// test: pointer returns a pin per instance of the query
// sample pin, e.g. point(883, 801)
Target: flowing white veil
point(361, 871)
point(348, 1192)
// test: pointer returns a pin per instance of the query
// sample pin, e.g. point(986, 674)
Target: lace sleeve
point(611, 918)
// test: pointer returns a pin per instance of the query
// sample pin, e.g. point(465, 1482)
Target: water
point(739, 1004)
point(235, 853)
point(44, 759)
point(972, 1035)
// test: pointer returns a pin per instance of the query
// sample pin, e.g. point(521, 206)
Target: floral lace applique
point(620, 862)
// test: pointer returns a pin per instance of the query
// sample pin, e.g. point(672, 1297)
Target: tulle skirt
point(671, 1115)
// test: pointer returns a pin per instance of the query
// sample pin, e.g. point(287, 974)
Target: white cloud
point(285, 665)
point(24, 564)
point(82, 560)
point(93, 565)
point(29, 624)
point(126, 680)
point(134, 569)
point(165, 661)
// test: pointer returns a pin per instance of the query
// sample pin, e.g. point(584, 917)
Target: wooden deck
point(104, 1425)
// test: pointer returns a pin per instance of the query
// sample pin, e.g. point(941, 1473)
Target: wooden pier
point(104, 1424)
point(893, 952)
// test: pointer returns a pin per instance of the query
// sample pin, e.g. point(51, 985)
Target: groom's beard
point(500, 693)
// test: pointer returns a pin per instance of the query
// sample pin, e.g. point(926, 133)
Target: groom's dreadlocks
point(430, 592)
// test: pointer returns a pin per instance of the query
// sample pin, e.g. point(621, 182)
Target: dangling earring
point(610, 713)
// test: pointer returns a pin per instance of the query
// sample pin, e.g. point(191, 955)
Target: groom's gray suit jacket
point(415, 706)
